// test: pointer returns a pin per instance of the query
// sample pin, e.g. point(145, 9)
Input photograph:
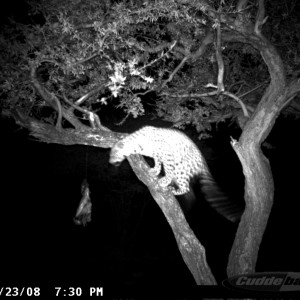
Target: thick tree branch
point(191, 249)
point(84, 136)
point(53, 101)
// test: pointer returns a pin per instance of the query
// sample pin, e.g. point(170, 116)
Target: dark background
point(128, 242)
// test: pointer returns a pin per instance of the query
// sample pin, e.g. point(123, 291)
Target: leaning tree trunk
point(259, 186)
point(192, 251)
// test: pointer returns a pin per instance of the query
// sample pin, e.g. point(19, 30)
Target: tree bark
point(192, 251)
point(259, 185)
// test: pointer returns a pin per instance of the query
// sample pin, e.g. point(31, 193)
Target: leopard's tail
point(218, 200)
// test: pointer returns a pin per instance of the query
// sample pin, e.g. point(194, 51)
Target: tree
point(202, 61)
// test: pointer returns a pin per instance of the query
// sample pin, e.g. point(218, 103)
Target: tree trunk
point(259, 193)
point(259, 186)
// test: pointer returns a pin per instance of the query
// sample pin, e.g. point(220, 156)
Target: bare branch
point(205, 42)
point(52, 100)
point(205, 97)
point(292, 90)
point(175, 71)
point(241, 5)
point(93, 118)
point(163, 55)
point(260, 17)
point(252, 90)
point(79, 62)
point(88, 95)
point(92, 56)
point(245, 111)
point(239, 101)
point(83, 110)
point(155, 49)
point(195, 95)
point(123, 120)
point(219, 58)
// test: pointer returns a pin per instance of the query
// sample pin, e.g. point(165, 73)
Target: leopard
point(181, 161)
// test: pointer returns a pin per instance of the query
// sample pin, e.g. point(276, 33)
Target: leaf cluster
point(122, 50)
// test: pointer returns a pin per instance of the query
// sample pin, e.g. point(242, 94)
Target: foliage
point(119, 51)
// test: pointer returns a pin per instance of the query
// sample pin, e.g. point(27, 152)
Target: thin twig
point(175, 71)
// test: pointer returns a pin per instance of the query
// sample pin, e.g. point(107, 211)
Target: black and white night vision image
point(150, 146)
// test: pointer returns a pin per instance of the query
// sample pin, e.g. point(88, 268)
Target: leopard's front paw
point(153, 172)
point(165, 182)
